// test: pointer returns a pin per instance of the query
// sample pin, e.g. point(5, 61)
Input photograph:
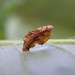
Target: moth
point(37, 36)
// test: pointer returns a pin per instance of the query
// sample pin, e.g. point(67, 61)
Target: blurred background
point(17, 17)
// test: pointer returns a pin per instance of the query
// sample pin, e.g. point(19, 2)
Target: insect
point(38, 36)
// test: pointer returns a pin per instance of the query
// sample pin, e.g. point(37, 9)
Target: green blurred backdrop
point(17, 17)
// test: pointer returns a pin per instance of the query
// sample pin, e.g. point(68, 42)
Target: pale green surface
point(48, 59)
